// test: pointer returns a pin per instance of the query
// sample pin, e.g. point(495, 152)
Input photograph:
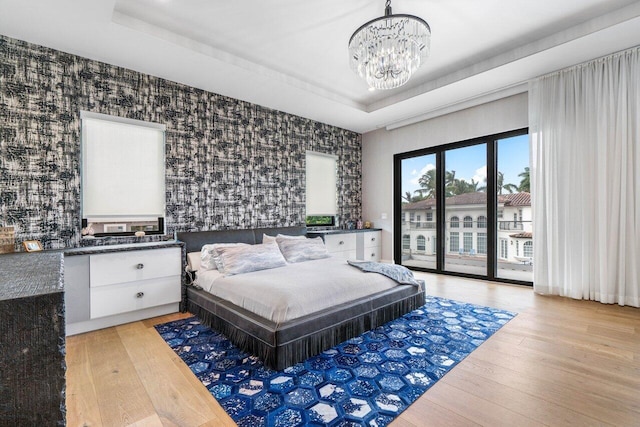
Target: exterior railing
point(511, 225)
point(422, 225)
point(431, 225)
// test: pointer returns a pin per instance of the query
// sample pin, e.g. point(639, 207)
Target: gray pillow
point(298, 250)
point(245, 259)
point(209, 254)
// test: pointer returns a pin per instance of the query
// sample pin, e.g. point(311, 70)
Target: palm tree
point(449, 178)
point(460, 186)
point(524, 182)
point(511, 188)
point(407, 197)
point(500, 185)
point(428, 184)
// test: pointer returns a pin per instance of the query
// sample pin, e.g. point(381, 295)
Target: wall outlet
point(383, 215)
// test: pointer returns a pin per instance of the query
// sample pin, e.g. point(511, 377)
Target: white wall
point(378, 148)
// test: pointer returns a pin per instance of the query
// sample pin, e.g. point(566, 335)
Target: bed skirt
point(288, 343)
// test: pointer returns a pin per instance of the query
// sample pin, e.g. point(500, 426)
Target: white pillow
point(248, 258)
point(271, 239)
point(209, 254)
point(296, 250)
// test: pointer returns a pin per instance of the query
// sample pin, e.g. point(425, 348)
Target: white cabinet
point(343, 245)
point(369, 246)
point(360, 245)
point(114, 286)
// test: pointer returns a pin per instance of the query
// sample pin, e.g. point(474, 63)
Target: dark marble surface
point(127, 247)
point(341, 231)
point(28, 274)
point(32, 326)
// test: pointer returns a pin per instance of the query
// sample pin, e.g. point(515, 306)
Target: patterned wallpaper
point(229, 163)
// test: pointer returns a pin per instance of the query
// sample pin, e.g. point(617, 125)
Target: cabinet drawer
point(120, 267)
point(371, 254)
point(340, 242)
point(371, 239)
point(125, 297)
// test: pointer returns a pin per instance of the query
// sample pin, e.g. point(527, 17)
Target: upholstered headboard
point(195, 240)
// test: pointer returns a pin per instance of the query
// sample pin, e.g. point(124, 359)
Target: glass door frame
point(491, 142)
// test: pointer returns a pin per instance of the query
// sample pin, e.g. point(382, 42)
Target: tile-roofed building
point(466, 226)
point(515, 199)
point(476, 198)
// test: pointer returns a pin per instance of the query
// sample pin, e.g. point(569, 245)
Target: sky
point(470, 163)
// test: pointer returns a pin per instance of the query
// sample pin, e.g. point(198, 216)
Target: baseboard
point(132, 316)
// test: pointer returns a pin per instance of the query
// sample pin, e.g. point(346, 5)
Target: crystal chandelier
point(386, 51)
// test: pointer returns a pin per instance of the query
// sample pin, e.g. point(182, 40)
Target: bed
point(278, 340)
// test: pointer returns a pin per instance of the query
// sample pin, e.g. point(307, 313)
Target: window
point(517, 248)
point(123, 175)
point(430, 216)
point(406, 242)
point(421, 243)
point(482, 243)
point(468, 222)
point(454, 241)
point(467, 242)
point(482, 221)
point(321, 187)
point(455, 222)
point(527, 249)
point(418, 218)
point(412, 216)
point(504, 249)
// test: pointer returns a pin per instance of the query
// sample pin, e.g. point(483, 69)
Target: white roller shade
point(321, 184)
point(123, 172)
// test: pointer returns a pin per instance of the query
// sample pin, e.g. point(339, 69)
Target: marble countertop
point(100, 249)
point(342, 231)
point(27, 274)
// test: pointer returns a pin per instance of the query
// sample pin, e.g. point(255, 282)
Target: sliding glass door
point(465, 213)
point(418, 212)
point(514, 222)
point(465, 208)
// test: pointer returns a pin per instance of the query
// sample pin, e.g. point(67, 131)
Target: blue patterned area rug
point(365, 381)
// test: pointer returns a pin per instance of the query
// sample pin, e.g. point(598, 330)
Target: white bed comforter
point(286, 293)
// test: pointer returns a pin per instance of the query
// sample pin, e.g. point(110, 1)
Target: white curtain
point(585, 142)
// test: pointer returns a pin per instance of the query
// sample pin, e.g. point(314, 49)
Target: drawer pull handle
point(373, 239)
point(140, 266)
point(373, 255)
point(342, 242)
point(139, 294)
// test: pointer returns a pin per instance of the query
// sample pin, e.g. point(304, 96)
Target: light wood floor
point(559, 362)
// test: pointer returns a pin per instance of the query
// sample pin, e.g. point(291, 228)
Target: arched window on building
point(455, 222)
point(406, 242)
point(527, 249)
point(482, 221)
point(422, 246)
point(468, 222)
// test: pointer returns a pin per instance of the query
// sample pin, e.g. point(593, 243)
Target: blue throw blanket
point(399, 273)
